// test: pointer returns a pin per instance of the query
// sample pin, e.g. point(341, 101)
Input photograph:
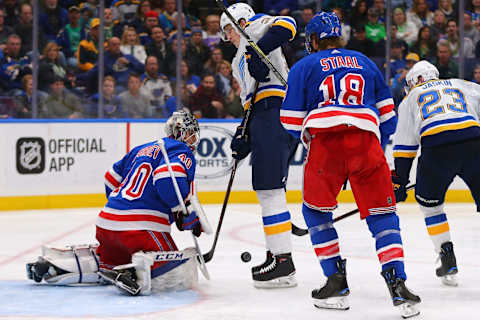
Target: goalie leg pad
point(65, 266)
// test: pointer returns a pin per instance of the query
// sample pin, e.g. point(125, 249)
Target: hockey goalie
point(149, 189)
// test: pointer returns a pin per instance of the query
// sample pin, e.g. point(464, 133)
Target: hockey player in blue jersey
point(133, 229)
point(270, 145)
point(441, 116)
point(339, 104)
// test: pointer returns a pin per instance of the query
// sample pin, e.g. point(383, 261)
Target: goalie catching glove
point(188, 222)
point(399, 187)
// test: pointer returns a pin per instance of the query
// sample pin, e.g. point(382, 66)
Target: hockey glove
point(190, 222)
point(399, 187)
point(240, 145)
point(256, 67)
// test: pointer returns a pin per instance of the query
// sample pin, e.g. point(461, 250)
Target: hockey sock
point(276, 220)
point(324, 238)
point(437, 225)
point(385, 229)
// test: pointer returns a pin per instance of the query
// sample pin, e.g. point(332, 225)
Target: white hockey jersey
point(256, 27)
point(437, 112)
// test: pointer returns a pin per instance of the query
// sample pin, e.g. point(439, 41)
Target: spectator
point(112, 108)
point(471, 31)
point(399, 83)
point(426, 46)
point(406, 30)
point(13, 66)
point(191, 81)
point(172, 56)
point(159, 48)
point(439, 25)
point(7, 108)
point(447, 68)
point(87, 52)
point(447, 8)
point(476, 74)
point(280, 7)
point(359, 16)
point(453, 41)
point(223, 77)
point(212, 34)
point(50, 67)
point(233, 103)
point(379, 5)
point(473, 8)
point(197, 51)
point(87, 15)
point(346, 29)
point(420, 15)
point(361, 43)
point(216, 58)
point(52, 19)
point(207, 102)
point(11, 12)
point(298, 43)
point(109, 29)
point(23, 100)
point(61, 103)
point(124, 11)
point(92, 7)
point(130, 44)
point(24, 29)
point(374, 29)
point(168, 16)
point(144, 7)
point(151, 21)
point(156, 87)
point(171, 104)
point(135, 102)
point(5, 31)
point(394, 38)
point(69, 37)
point(397, 62)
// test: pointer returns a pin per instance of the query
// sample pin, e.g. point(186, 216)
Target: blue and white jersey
point(437, 112)
point(256, 28)
point(334, 87)
point(139, 187)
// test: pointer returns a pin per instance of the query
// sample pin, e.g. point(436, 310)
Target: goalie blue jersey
point(334, 87)
point(139, 187)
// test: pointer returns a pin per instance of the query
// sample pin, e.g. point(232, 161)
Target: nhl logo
point(30, 155)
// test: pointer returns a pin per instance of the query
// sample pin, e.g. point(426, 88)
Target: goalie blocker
point(75, 265)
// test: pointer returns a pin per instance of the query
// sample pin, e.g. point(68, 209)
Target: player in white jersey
point(271, 146)
point(136, 251)
point(441, 117)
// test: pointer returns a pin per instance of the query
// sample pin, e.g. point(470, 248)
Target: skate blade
point(450, 280)
point(337, 303)
point(282, 282)
point(111, 277)
point(407, 310)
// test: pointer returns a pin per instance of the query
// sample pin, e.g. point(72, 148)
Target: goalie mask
point(423, 69)
point(183, 126)
point(238, 11)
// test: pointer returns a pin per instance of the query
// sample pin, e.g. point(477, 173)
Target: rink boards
point(61, 163)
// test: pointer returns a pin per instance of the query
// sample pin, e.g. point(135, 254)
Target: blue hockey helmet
point(324, 25)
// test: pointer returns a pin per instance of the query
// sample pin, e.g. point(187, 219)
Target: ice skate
point(448, 268)
point(402, 297)
point(125, 280)
point(276, 272)
point(333, 295)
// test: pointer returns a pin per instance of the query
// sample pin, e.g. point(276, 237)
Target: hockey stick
point(202, 266)
point(301, 232)
point(248, 114)
point(252, 43)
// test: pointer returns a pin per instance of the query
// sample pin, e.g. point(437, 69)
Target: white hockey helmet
point(181, 126)
point(238, 11)
point(423, 69)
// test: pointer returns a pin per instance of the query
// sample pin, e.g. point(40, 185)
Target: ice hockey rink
point(230, 293)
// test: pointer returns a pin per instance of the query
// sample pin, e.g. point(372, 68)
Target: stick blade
point(298, 231)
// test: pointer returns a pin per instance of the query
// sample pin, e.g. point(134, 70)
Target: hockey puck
point(246, 256)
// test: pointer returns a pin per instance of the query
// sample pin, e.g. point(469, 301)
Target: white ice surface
point(230, 294)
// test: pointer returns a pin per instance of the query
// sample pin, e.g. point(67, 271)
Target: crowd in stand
point(141, 48)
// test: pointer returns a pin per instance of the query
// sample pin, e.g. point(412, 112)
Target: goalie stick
point(301, 232)
point(202, 266)
point(255, 47)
